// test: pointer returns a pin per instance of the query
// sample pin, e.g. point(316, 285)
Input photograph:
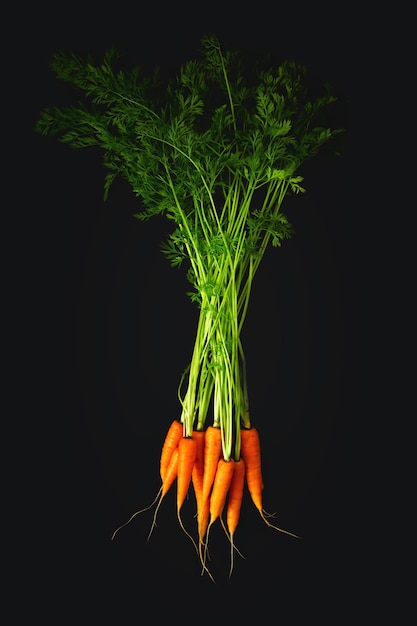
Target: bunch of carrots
point(218, 483)
point(216, 149)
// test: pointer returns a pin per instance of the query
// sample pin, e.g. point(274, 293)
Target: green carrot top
point(215, 149)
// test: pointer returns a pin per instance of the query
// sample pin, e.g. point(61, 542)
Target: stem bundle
point(216, 150)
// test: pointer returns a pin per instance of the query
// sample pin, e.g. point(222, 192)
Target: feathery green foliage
point(215, 149)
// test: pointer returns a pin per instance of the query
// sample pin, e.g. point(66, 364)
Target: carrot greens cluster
point(215, 149)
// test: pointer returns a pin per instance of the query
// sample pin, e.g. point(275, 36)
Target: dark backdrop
point(112, 331)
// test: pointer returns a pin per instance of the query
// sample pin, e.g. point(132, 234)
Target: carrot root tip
point(281, 530)
point(132, 517)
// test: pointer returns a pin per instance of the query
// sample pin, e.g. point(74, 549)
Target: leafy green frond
point(215, 149)
point(276, 226)
point(218, 125)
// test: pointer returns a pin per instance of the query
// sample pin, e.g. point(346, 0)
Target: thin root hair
point(135, 514)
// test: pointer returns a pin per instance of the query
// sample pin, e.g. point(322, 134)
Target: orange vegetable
point(221, 486)
point(251, 453)
point(198, 469)
point(168, 471)
point(197, 478)
point(171, 441)
point(234, 504)
point(235, 496)
point(212, 454)
point(187, 452)
point(170, 475)
point(203, 519)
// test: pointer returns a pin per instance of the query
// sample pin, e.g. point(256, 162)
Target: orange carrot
point(172, 438)
point(187, 451)
point(221, 486)
point(198, 469)
point(203, 525)
point(203, 517)
point(197, 478)
point(212, 454)
point(251, 453)
point(170, 475)
point(234, 504)
point(235, 496)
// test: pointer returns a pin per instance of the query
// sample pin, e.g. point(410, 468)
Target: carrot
point(234, 500)
point(214, 504)
point(187, 452)
point(203, 517)
point(168, 471)
point(172, 438)
point(198, 469)
point(170, 475)
point(212, 454)
point(251, 453)
point(221, 486)
point(234, 504)
point(197, 478)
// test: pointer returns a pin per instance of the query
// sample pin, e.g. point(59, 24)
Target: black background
point(112, 330)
